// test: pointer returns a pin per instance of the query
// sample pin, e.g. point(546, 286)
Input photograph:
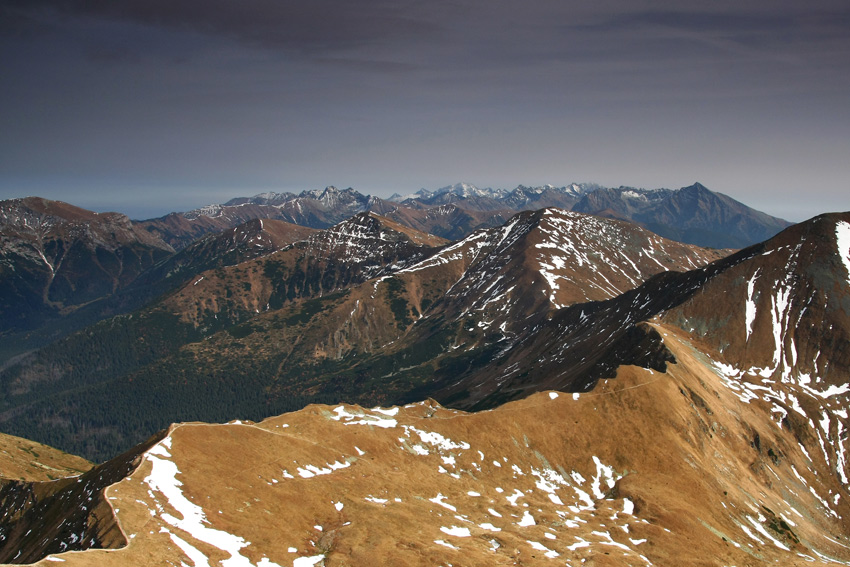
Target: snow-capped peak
point(421, 194)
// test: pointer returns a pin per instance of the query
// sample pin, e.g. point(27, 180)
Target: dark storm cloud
point(400, 35)
point(745, 31)
point(314, 25)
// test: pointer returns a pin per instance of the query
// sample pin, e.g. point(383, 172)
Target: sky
point(151, 106)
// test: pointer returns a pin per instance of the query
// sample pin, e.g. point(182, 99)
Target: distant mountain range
point(521, 198)
point(650, 403)
point(62, 267)
point(692, 214)
point(314, 209)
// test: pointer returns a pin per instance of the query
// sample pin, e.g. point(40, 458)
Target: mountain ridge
point(693, 214)
point(704, 486)
point(699, 398)
point(321, 209)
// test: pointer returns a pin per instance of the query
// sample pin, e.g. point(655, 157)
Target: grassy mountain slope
point(649, 468)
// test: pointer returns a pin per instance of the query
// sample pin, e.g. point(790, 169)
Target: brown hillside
point(22, 459)
point(353, 251)
point(648, 469)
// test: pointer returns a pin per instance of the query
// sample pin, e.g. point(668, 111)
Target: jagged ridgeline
point(63, 268)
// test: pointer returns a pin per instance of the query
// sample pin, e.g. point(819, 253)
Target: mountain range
point(367, 309)
point(57, 261)
point(108, 264)
point(693, 214)
point(595, 394)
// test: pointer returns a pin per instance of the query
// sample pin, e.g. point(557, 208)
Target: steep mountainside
point(691, 214)
point(584, 342)
point(70, 513)
point(64, 268)
point(446, 221)
point(358, 249)
point(782, 324)
point(783, 313)
point(362, 311)
point(56, 258)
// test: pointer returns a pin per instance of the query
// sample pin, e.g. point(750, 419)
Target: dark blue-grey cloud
point(492, 29)
point(314, 26)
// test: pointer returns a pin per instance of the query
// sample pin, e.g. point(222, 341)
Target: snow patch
point(307, 561)
point(751, 305)
point(365, 418)
point(193, 521)
point(446, 544)
point(435, 439)
point(540, 547)
point(456, 531)
point(309, 471)
point(438, 499)
point(526, 520)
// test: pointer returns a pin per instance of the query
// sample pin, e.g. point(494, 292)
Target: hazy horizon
point(150, 211)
